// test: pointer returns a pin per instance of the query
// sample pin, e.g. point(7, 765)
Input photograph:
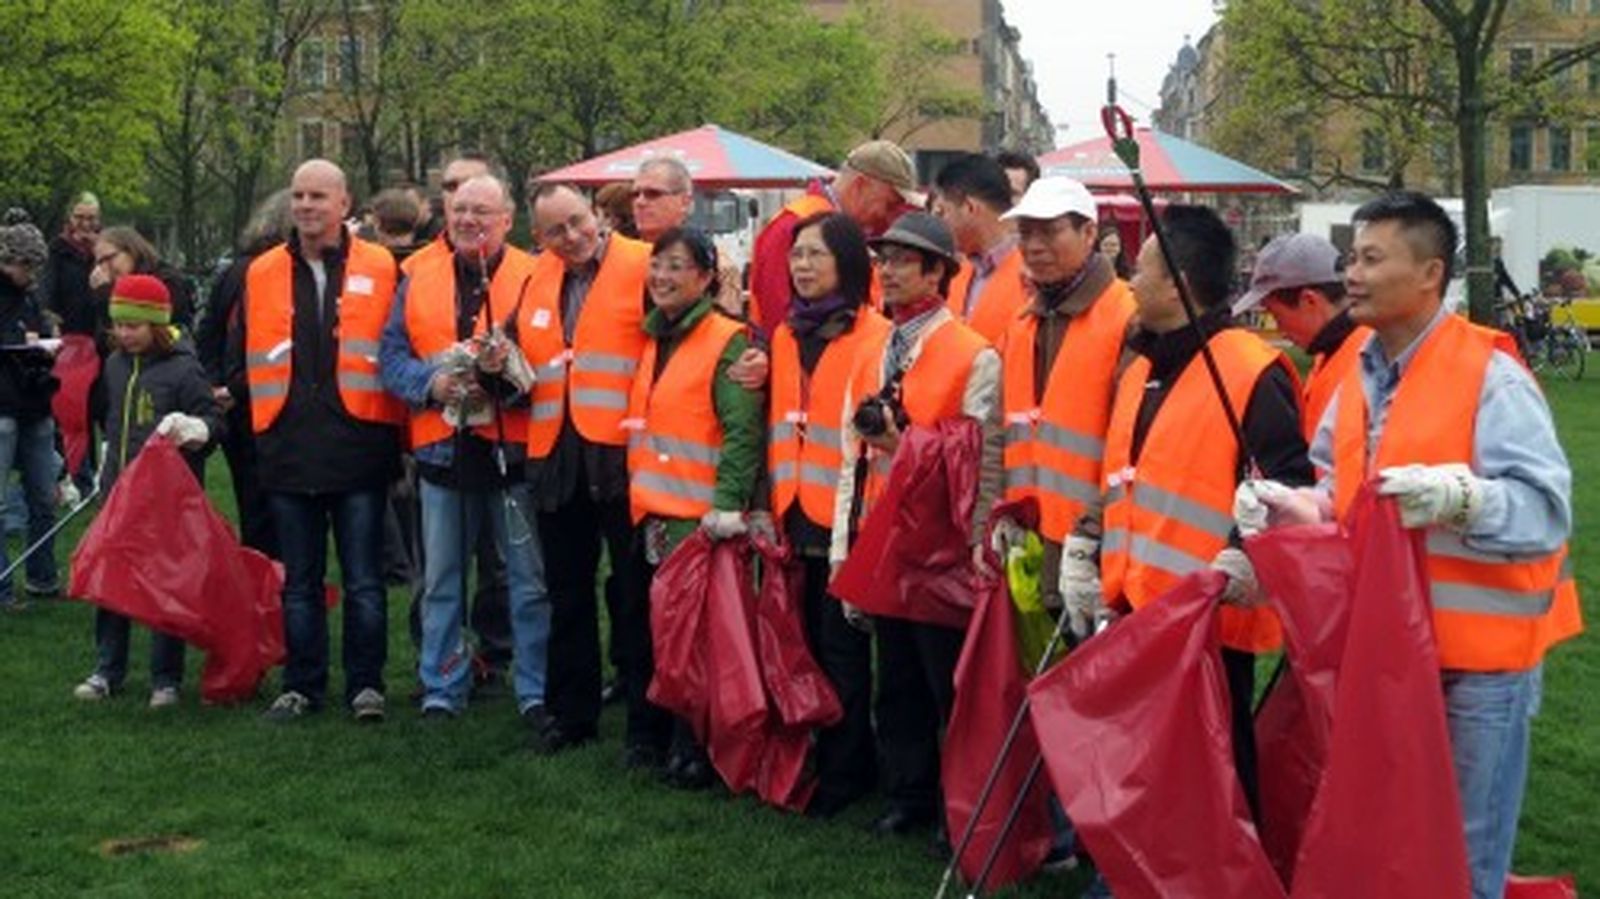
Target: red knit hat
point(141, 298)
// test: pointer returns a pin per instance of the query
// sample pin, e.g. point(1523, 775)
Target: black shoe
point(612, 692)
point(939, 847)
point(693, 774)
point(825, 806)
point(537, 719)
point(437, 714)
point(642, 758)
point(559, 737)
point(900, 821)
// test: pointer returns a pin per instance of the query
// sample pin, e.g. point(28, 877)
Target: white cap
point(1053, 197)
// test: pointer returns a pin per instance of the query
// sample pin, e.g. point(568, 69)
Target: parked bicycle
point(1547, 333)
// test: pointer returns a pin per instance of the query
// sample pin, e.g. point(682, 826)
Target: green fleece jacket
point(741, 413)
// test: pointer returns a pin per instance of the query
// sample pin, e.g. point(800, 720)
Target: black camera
point(872, 417)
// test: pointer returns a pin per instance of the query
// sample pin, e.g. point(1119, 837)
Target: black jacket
point(315, 446)
point(64, 289)
point(26, 384)
point(141, 391)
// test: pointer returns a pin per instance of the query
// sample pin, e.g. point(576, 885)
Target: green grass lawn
point(326, 808)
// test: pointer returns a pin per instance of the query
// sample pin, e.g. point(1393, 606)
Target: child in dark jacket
point(155, 385)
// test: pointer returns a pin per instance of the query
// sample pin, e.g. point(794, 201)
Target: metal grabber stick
point(54, 530)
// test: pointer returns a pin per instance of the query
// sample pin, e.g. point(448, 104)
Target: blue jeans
point(444, 663)
point(1488, 715)
point(30, 447)
point(301, 522)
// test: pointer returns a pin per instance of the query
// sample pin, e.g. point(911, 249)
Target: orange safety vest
point(1490, 612)
point(437, 246)
point(1054, 447)
point(931, 391)
point(1328, 371)
point(675, 438)
point(1169, 515)
point(430, 316)
point(804, 439)
point(605, 346)
point(1002, 301)
point(362, 310)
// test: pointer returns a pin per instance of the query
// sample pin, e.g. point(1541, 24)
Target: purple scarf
point(805, 318)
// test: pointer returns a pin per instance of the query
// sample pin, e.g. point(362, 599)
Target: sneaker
point(93, 689)
point(163, 697)
point(367, 706)
point(42, 591)
point(287, 707)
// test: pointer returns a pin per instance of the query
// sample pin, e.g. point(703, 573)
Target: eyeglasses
point(807, 254)
point(897, 258)
point(651, 194)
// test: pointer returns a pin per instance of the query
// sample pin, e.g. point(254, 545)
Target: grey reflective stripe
point(1491, 601)
point(261, 359)
point(1566, 573)
point(1170, 505)
point(674, 447)
point(546, 411)
point(1116, 493)
point(1071, 441)
point(266, 391)
point(554, 371)
point(359, 347)
point(1022, 475)
point(1447, 543)
point(661, 483)
point(783, 430)
point(812, 473)
point(600, 398)
point(604, 363)
point(1159, 555)
point(359, 381)
point(1113, 541)
point(783, 471)
point(1018, 433)
point(1066, 486)
point(821, 434)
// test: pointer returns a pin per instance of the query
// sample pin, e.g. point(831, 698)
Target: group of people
point(587, 406)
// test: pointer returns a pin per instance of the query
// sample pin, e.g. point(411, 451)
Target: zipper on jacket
point(127, 404)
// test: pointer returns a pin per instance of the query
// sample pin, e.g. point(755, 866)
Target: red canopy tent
point(1168, 163)
point(715, 157)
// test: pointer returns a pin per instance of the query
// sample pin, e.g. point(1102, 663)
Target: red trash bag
point(1563, 887)
point(677, 604)
point(1134, 725)
point(912, 557)
point(161, 555)
point(1306, 572)
point(991, 682)
point(76, 367)
point(800, 692)
point(1387, 819)
point(737, 710)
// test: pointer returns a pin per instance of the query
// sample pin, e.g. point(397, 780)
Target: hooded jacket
point(141, 391)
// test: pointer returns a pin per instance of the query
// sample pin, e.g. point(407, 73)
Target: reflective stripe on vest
point(1054, 448)
point(362, 304)
point(543, 344)
point(805, 416)
point(1169, 514)
point(674, 436)
point(430, 318)
point(608, 340)
point(1491, 612)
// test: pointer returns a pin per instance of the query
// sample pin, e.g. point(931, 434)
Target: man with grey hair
point(663, 195)
point(448, 351)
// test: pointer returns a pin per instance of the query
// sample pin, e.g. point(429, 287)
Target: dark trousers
point(572, 536)
point(302, 522)
point(846, 756)
point(255, 518)
point(1240, 668)
point(111, 644)
point(916, 687)
point(649, 725)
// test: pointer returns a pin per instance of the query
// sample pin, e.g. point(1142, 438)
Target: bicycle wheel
point(1566, 352)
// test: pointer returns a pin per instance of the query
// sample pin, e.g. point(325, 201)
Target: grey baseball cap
point(921, 231)
point(1291, 260)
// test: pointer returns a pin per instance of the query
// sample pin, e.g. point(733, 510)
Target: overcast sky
point(1067, 42)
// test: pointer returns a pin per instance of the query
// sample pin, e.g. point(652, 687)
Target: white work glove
point(1448, 495)
point(1079, 584)
point(1259, 504)
point(761, 525)
point(517, 370)
point(1243, 589)
point(1005, 534)
point(184, 430)
point(722, 525)
point(67, 494)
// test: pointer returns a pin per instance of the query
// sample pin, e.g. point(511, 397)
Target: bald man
point(327, 434)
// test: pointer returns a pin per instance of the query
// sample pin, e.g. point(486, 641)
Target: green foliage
point(82, 85)
point(913, 86)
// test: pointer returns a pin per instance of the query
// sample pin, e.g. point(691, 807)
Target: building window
point(1521, 61)
point(1591, 148)
point(350, 140)
point(1302, 153)
point(311, 139)
point(1373, 158)
point(1594, 7)
point(1564, 78)
point(1560, 148)
point(311, 64)
point(1521, 148)
point(1563, 5)
point(349, 60)
point(1594, 73)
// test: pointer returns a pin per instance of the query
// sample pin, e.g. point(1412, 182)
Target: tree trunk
point(1472, 126)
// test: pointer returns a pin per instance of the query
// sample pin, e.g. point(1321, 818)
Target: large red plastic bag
point(161, 555)
point(1306, 571)
point(1563, 887)
point(912, 556)
point(799, 689)
point(991, 680)
point(1387, 819)
point(76, 367)
point(1134, 725)
point(677, 603)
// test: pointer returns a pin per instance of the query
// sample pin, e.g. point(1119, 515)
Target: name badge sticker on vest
point(795, 417)
point(359, 285)
point(541, 319)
